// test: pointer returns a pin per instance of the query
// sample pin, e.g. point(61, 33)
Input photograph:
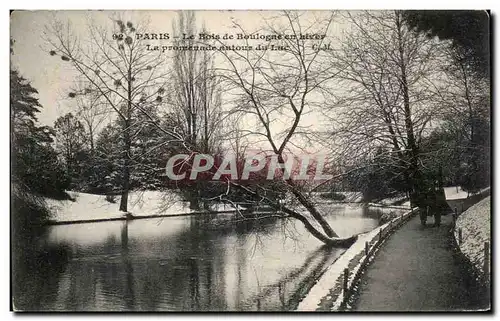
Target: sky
point(54, 78)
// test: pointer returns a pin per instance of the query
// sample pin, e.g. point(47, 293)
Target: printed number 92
point(117, 36)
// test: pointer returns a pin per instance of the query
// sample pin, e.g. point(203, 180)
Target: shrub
point(111, 198)
point(28, 211)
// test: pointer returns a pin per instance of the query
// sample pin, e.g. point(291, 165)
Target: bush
point(110, 198)
point(29, 212)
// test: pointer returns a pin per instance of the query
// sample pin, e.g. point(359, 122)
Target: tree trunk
point(91, 137)
point(415, 175)
point(126, 147)
point(327, 240)
point(330, 241)
point(126, 170)
point(314, 212)
point(308, 204)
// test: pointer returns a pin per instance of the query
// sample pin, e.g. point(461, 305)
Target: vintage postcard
point(320, 160)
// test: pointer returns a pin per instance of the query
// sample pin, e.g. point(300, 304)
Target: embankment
point(472, 236)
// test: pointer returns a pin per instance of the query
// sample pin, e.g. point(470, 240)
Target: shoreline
point(131, 217)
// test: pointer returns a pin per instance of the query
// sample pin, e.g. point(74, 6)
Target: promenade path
point(417, 270)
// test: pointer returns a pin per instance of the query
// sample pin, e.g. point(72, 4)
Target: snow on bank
point(392, 200)
point(451, 193)
point(94, 207)
point(330, 279)
point(475, 225)
point(348, 197)
point(456, 192)
point(357, 197)
point(140, 203)
point(354, 197)
point(400, 207)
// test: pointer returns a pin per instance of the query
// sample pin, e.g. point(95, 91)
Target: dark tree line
point(468, 29)
point(36, 168)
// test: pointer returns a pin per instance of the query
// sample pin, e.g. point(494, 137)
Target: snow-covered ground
point(475, 225)
point(94, 207)
point(349, 197)
point(392, 200)
point(453, 193)
point(356, 197)
point(145, 203)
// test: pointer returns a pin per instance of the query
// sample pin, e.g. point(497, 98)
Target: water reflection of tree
point(195, 268)
point(239, 223)
point(194, 274)
point(36, 271)
point(288, 290)
point(129, 296)
point(372, 212)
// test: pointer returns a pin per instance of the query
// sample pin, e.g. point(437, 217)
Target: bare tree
point(194, 99)
point(467, 92)
point(195, 93)
point(467, 116)
point(118, 68)
point(274, 88)
point(389, 96)
point(92, 112)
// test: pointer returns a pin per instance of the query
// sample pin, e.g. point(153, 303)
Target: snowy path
point(416, 270)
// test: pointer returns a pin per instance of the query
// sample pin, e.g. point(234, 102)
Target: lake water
point(179, 263)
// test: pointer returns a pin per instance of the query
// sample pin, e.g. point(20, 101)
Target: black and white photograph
point(250, 160)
